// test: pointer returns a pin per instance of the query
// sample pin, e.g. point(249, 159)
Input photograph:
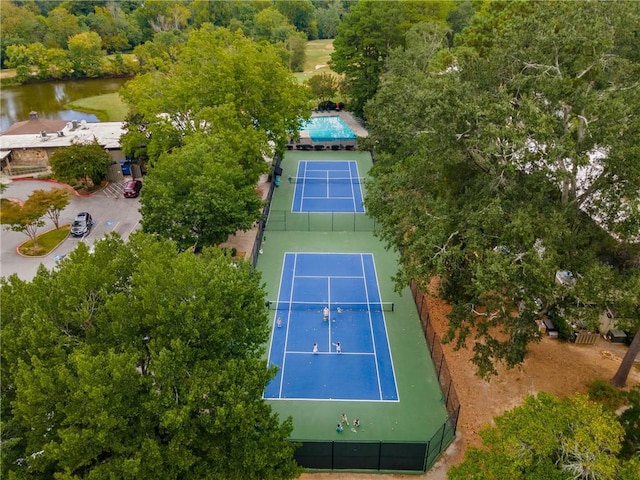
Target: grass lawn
point(108, 107)
point(47, 242)
point(317, 59)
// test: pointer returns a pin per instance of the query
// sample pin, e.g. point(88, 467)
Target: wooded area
point(505, 137)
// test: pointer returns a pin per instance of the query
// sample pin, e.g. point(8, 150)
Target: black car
point(81, 225)
point(132, 188)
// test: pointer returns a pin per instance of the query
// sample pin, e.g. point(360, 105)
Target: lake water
point(49, 99)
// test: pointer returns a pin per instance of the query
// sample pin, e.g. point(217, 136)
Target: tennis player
point(325, 314)
point(338, 347)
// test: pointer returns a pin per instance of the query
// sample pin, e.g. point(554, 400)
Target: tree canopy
point(139, 362)
point(80, 161)
point(367, 34)
point(217, 68)
point(509, 159)
point(24, 217)
point(54, 201)
point(200, 194)
point(549, 438)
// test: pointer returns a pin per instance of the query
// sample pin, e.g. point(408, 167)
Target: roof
point(106, 133)
point(35, 126)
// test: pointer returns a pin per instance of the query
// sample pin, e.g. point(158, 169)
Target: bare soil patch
point(7, 73)
point(551, 366)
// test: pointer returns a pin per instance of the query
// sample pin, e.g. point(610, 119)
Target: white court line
point(362, 354)
point(374, 354)
point(373, 340)
point(384, 324)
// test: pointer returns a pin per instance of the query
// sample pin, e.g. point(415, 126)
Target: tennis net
point(334, 307)
point(325, 180)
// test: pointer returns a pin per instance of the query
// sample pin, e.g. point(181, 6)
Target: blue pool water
point(328, 129)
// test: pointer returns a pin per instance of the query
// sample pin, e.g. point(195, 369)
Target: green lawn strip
point(47, 242)
point(108, 107)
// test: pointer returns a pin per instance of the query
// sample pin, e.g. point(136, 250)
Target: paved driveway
point(110, 210)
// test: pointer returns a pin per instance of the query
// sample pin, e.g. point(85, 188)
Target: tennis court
point(329, 316)
point(418, 413)
point(327, 186)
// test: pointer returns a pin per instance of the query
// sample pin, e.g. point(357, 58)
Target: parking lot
point(111, 212)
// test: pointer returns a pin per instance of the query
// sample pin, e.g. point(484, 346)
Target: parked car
point(82, 224)
point(132, 188)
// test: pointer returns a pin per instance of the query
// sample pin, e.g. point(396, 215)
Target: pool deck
point(349, 119)
point(243, 241)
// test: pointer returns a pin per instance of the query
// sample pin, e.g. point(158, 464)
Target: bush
point(609, 396)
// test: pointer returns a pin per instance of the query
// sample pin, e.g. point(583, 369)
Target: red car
point(132, 188)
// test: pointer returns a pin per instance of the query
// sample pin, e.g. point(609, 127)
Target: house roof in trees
point(35, 126)
point(107, 134)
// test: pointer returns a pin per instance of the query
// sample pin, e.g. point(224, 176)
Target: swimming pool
point(328, 129)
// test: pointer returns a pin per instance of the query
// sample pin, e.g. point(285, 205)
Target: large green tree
point(217, 68)
point(549, 438)
point(80, 161)
point(24, 217)
point(507, 160)
point(139, 362)
point(54, 202)
point(19, 25)
point(366, 36)
point(200, 194)
point(85, 51)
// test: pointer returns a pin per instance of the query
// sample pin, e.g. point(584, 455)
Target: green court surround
point(420, 413)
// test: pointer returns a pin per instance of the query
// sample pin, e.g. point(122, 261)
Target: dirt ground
point(551, 366)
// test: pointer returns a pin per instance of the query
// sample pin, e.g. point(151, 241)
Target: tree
point(84, 161)
point(24, 218)
point(296, 45)
point(218, 68)
point(61, 25)
point(54, 201)
point(272, 26)
point(630, 420)
point(366, 37)
point(498, 167)
point(324, 86)
point(328, 19)
point(85, 50)
point(301, 14)
point(215, 194)
point(19, 26)
point(628, 311)
point(137, 361)
point(115, 28)
point(547, 438)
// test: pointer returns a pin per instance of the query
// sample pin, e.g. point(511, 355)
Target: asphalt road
point(111, 212)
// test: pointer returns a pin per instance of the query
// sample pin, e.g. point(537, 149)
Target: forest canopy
point(514, 156)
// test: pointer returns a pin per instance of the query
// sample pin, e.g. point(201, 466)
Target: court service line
point(324, 276)
point(329, 198)
point(373, 339)
point(362, 354)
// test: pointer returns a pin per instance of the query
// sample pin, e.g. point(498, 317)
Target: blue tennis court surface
point(327, 129)
point(347, 284)
point(327, 186)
